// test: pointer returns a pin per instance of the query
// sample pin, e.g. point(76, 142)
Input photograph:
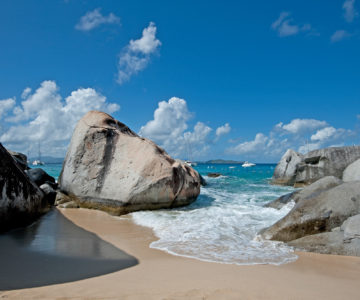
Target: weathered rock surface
point(285, 170)
point(109, 167)
point(21, 201)
point(325, 162)
point(343, 241)
point(40, 177)
point(297, 170)
point(312, 190)
point(282, 200)
point(20, 158)
point(352, 171)
point(319, 212)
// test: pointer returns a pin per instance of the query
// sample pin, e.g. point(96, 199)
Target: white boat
point(247, 164)
point(37, 162)
point(190, 163)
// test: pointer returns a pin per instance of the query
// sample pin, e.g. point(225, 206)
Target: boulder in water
point(109, 167)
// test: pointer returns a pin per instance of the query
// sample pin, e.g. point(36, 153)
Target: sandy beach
point(163, 276)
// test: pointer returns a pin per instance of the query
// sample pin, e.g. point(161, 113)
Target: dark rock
point(39, 176)
point(49, 192)
point(202, 181)
point(214, 175)
point(20, 158)
point(21, 201)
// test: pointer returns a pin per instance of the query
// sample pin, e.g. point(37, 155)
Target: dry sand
point(162, 276)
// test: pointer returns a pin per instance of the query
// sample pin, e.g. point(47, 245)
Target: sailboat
point(38, 161)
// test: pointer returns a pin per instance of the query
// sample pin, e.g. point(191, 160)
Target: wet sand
point(54, 250)
point(162, 276)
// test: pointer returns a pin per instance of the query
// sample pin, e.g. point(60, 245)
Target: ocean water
point(222, 225)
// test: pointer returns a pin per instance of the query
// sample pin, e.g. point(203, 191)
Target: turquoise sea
point(222, 224)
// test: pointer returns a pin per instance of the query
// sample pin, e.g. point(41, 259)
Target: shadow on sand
point(54, 250)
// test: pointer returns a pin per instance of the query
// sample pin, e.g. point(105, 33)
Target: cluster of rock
point(326, 215)
point(24, 193)
point(299, 170)
point(109, 167)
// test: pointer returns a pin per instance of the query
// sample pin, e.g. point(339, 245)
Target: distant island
point(222, 161)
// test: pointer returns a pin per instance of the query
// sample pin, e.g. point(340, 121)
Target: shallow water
point(222, 225)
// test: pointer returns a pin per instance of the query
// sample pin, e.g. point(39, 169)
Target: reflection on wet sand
point(54, 250)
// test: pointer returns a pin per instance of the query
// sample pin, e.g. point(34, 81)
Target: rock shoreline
point(326, 214)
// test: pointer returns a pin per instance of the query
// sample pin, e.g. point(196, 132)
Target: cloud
point(170, 121)
point(136, 55)
point(339, 35)
point(26, 92)
point(170, 129)
point(46, 117)
point(255, 146)
point(93, 19)
point(222, 130)
point(349, 10)
point(285, 25)
point(301, 125)
point(6, 105)
point(302, 135)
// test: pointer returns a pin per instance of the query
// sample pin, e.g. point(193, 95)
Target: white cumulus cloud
point(255, 146)
point(46, 117)
point(93, 19)
point(170, 129)
point(350, 12)
point(137, 54)
point(302, 125)
point(6, 105)
point(222, 130)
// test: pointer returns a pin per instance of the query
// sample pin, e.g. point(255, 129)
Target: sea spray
point(223, 224)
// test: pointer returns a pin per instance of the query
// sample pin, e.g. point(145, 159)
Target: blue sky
point(247, 79)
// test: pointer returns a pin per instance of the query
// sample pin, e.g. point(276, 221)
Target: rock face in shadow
point(319, 212)
point(294, 169)
point(344, 240)
point(20, 158)
point(352, 171)
point(109, 167)
point(285, 171)
point(21, 201)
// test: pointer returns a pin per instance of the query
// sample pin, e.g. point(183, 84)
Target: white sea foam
point(221, 226)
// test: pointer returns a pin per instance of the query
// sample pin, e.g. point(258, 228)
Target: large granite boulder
point(309, 191)
point(352, 171)
point(325, 162)
point(318, 212)
point(285, 170)
point(21, 201)
point(344, 240)
point(109, 167)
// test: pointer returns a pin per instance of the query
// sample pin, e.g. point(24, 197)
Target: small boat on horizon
point(247, 164)
point(38, 162)
point(190, 163)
